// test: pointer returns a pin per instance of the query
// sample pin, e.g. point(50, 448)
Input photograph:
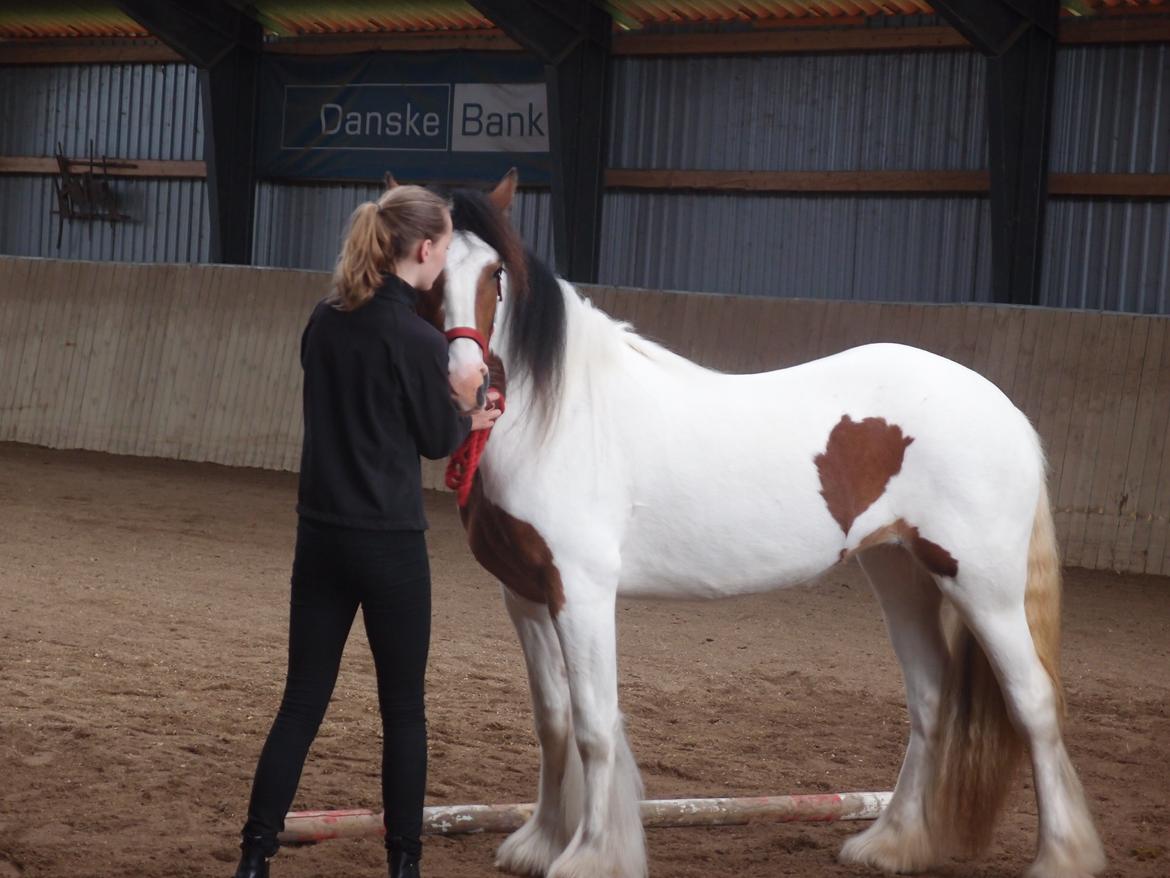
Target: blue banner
point(434, 117)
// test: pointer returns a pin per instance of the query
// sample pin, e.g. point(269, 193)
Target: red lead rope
point(465, 461)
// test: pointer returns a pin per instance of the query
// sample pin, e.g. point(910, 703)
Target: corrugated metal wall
point(1113, 255)
point(818, 247)
point(169, 222)
point(300, 226)
point(1111, 116)
point(912, 111)
point(136, 111)
point(905, 111)
point(132, 111)
point(1111, 111)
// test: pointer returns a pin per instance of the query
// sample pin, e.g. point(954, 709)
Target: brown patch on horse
point(932, 556)
point(512, 550)
point(496, 376)
point(858, 462)
point(487, 296)
point(429, 304)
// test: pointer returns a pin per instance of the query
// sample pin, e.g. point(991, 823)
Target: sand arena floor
point(143, 607)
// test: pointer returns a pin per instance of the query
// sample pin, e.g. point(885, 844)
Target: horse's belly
point(720, 556)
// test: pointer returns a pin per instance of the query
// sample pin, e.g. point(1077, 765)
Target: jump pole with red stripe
point(309, 827)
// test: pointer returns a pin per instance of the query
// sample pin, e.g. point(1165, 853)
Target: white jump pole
point(308, 827)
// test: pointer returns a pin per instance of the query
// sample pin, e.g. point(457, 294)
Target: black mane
point(536, 318)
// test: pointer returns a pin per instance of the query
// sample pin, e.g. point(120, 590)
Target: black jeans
point(336, 570)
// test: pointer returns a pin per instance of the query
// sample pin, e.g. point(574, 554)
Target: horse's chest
point(511, 550)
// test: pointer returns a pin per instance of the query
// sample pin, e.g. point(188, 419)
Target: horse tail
point(978, 749)
point(1042, 599)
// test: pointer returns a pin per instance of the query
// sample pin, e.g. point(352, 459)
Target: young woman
point(376, 395)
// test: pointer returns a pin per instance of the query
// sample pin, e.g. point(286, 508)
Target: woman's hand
point(482, 419)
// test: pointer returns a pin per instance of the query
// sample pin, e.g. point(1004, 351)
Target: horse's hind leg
point(899, 841)
point(1008, 694)
point(1068, 845)
point(533, 848)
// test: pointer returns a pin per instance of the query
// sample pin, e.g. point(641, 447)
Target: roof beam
point(225, 45)
point(548, 29)
point(573, 38)
point(1113, 30)
point(993, 26)
point(202, 31)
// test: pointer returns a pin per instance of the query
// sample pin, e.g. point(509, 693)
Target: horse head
point(474, 285)
point(494, 295)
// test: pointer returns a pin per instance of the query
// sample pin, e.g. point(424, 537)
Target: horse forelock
point(472, 212)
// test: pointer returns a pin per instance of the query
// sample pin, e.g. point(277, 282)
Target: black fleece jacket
point(375, 398)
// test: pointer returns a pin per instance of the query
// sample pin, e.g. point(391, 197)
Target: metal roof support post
point(579, 84)
point(229, 109)
point(1019, 39)
point(224, 44)
point(1019, 99)
point(573, 39)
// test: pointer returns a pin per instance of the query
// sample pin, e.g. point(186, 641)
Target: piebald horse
point(620, 468)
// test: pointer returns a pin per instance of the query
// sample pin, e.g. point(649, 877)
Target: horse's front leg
point(609, 843)
point(532, 849)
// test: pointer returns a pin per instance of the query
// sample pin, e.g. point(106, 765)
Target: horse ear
point(505, 191)
point(389, 180)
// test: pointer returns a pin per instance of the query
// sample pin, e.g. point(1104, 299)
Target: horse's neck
point(585, 327)
point(593, 339)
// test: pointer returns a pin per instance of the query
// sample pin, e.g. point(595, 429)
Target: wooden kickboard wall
point(199, 362)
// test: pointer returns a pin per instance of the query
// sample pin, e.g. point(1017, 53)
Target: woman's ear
point(424, 249)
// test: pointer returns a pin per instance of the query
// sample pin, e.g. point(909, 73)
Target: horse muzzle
point(469, 387)
point(469, 377)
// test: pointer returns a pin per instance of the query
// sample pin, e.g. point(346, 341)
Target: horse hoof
point(530, 851)
point(1076, 861)
point(584, 862)
point(891, 848)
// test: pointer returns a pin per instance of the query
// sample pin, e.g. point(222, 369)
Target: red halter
point(465, 460)
point(467, 332)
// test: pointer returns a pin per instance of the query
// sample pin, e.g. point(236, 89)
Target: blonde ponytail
point(379, 234)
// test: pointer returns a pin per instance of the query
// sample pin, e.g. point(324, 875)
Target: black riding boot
point(255, 852)
point(402, 864)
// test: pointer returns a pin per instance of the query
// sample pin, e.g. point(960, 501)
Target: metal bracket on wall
point(87, 194)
